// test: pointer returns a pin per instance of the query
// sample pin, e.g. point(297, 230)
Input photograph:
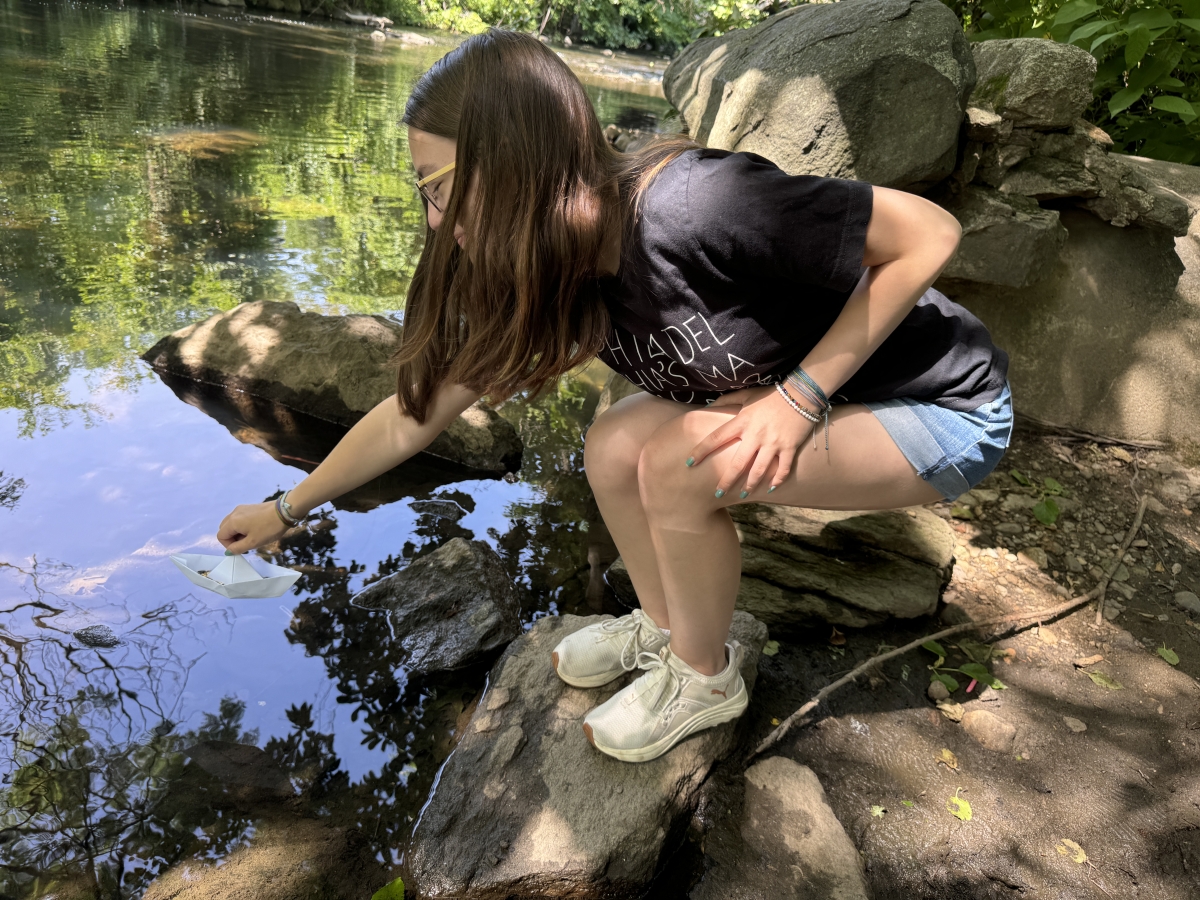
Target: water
point(157, 166)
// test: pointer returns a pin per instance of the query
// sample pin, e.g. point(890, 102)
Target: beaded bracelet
point(808, 414)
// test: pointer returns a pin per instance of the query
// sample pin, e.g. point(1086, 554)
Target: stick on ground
point(1040, 615)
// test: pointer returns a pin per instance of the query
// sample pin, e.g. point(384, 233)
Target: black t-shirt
point(737, 269)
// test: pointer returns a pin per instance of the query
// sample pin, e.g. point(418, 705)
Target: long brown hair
point(511, 312)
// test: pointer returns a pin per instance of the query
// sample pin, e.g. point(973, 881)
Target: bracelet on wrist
point(283, 509)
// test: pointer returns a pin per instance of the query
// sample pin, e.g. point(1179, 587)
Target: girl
point(739, 298)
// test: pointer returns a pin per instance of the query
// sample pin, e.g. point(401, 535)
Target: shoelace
point(660, 678)
point(633, 624)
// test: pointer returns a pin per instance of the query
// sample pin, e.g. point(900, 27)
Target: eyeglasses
point(422, 183)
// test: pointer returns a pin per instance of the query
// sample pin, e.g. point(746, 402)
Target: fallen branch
point(1103, 586)
point(1037, 616)
point(1047, 427)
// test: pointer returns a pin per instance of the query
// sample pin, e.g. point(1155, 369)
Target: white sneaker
point(671, 701)
point(599, 653)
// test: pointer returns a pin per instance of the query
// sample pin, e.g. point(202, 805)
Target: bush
point(1147, 90)
point(660, 25)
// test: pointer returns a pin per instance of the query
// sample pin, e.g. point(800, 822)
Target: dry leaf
point(770, 648)
point(878, 811)
point(1088, 661)
point(837, 638)
point(1072, 850)
point(951, 710)
point(948, 758)
point(1105, 681)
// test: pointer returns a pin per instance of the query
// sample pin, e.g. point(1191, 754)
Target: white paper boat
point(233, 577)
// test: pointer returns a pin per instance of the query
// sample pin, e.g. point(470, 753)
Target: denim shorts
point(951, 450)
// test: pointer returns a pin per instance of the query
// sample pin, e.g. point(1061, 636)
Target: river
point(158, 165)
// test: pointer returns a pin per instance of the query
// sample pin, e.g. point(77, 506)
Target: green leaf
point(1074, 11)
point(1087, 30)
point(907, 803)
point(1102, 40)
point(975, 651)
point(1151, 19)
point(1053, 486)
point(393, 891)
point(959, 808)
point(1046, 511)
point(1105, 681)
point(1020, 478)
point(1193, 24)
point(770, 648)
point(962, 512)
point(1123, 99)
point(948, 680)
point(1178, 105)
point(1137, 45)
point(935, 648)
point(1169, 655)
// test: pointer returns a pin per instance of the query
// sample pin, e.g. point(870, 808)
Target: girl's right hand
point(250, 526)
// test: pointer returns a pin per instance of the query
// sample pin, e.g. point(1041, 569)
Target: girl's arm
point(381, 440)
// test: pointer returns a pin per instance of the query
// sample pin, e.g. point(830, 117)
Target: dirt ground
point(1126, 790)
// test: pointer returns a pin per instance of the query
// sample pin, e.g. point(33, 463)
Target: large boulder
point(788, 844)
point(332, 367)
point(1109, 342)
point(1033, 82)
point(525, 806)
point(449, 607)
point(1006, 239)
point(873, 90)
point(849, 568)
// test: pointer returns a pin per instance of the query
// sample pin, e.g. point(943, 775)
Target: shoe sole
point(592, 681)
point(711, 717)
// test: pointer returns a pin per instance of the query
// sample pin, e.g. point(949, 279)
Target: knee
point(610, 455)
point(665, 482)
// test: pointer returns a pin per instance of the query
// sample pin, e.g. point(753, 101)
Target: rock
point(331, 367)
point(449, 607)
point(1074, 725)
point(986, 126)
point(249, 775)
point(1127, 193)
point(873, 90)
point(989, 730)
point(1188, 601)
point(990, 695)
point(1010, 528)
point(97, 636)
point(1007, 240)
point(525, 788)
point(1034, 556)
point(1119, 314)
point(791, 843)
point(847, 568)
point(288, 858)
point(937, 692)
point(1033, 82)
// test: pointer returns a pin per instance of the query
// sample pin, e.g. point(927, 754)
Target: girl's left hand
point(769, 433)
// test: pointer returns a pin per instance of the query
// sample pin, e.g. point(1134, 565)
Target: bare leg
point(614, 446)
point(695, 545)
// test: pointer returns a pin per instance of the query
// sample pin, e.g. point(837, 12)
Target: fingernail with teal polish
point(744, 494)
point(720, 494)
point(229, 553)
point(771, 488)
point(691, 461)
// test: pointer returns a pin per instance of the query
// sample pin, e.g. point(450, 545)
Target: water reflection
point(156, 167)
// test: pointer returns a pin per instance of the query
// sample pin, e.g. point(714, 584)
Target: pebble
point(1075, 725)
point(937, 691)
point(1034, 556)
point(1046, 636)
point(1088, 661)
point(1185, 600)
point(989, 730)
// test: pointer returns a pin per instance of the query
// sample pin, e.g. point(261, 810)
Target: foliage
point(661, 25)
point(978, 654)
point(1147, 88)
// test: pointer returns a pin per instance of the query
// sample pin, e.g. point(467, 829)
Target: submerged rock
point(286, 859)
point(450, 607)
point(873, 90)
point(848, 568)
point(526, 806)
point(332, 367)
point(789, 844)
point(97, 636)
